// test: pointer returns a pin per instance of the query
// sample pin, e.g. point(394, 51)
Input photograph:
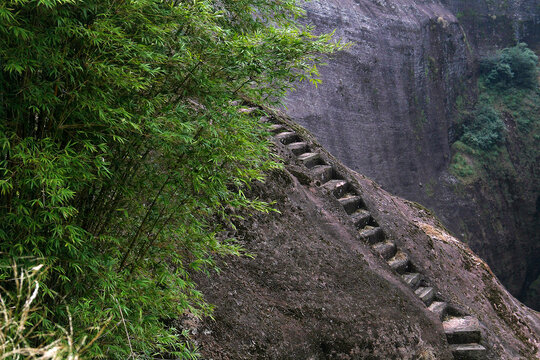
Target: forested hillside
point(123, 151)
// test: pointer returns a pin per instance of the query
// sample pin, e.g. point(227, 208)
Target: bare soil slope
point(316, 289)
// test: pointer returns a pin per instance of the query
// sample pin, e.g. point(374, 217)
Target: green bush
point(461, 167)
point(486, 131)
point(515, 66)
point(123, 152)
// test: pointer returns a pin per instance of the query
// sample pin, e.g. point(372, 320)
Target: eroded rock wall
point(496, 24)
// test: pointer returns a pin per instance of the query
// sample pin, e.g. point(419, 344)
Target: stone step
point(360, 217)
point(412, 279)
point(386, 249)
point(462, 330)
point(248, 110)
point(322, 173)
point(468, 351)
point(337, 187)
point(400, 262)
point(288, 137)
point(439, 308)
point(298, 148)
point(351, 204)
point(426, 294)
point(372, 235)
point(276, 128)
point(310, 159)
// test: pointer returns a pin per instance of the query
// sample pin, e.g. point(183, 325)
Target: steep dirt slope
point(332, 276)
point(387, 104)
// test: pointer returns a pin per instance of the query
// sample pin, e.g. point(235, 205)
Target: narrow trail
point(463, 331)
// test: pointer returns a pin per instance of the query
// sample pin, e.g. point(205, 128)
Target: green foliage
point(515, 66)
point(482, 151)
point(461, 167)
point(17, 305)
point(486, 130)
point(123, 153)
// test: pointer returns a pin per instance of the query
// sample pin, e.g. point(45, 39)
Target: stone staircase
point(462, 331)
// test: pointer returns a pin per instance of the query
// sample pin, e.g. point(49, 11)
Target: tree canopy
point(123, 153)
point(514, 66)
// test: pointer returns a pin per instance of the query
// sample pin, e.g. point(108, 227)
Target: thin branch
point(131, 353)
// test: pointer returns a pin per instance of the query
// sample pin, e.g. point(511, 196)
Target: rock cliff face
point(345, 270)
point(386, 109)
point(495, 24)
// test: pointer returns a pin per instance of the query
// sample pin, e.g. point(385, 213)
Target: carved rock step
point(298, 148)
point(400, 262)
point(351, 204)
point(386, 249)
point(462, 330)
point(468, 351)
point(288, 137)
point(426, 294)
point(412, 279)
point(248, 110)
point(439, 308)
point(275, 128)
point(360, 217)
point(372, 235)
point(310, 159)
point(322, 173)
point(337, 187)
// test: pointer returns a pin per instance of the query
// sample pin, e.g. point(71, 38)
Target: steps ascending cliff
point(462, 332)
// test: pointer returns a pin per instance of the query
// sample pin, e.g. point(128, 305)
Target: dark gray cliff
point(494, 24)
point(386, 109)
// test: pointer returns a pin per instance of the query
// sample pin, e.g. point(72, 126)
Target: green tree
point(515, 66)
point(486, 130)
point(123, 150)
